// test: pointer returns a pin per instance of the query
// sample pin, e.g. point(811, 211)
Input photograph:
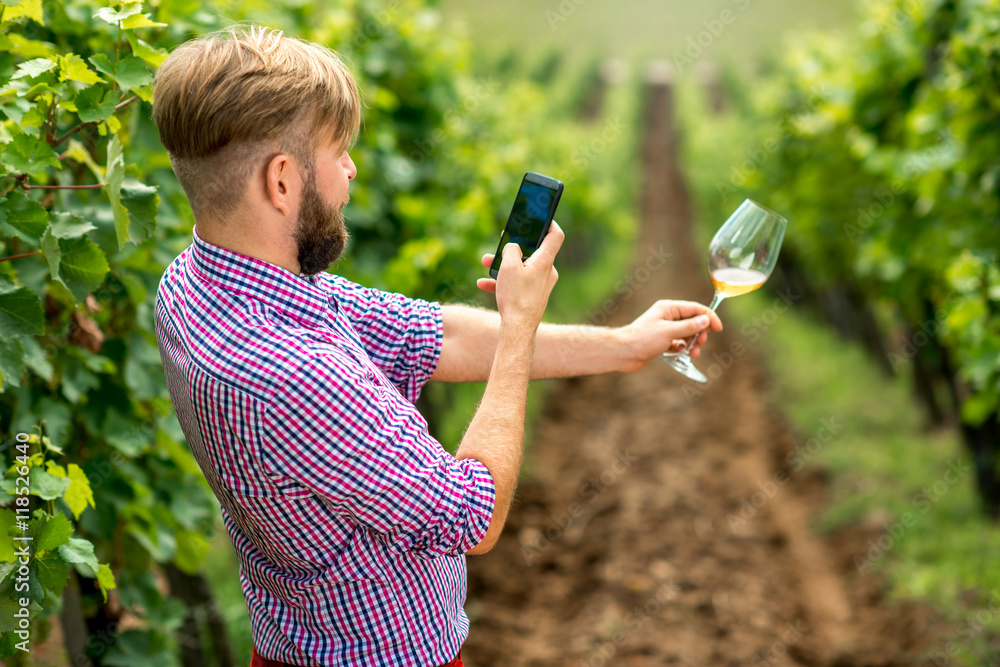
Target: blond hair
point(227, 101)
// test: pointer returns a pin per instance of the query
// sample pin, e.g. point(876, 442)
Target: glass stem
point(716, 300)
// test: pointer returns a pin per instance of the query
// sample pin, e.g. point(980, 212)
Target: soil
point(657, 522)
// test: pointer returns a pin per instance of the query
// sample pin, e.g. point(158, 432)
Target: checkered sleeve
point(334, 431)
point(402, 335)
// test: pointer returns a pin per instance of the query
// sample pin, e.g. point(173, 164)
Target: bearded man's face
point(320, 232)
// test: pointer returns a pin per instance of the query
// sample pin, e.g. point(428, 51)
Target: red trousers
point(257, 661)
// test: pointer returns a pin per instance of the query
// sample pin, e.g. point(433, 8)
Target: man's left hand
point(666, 327)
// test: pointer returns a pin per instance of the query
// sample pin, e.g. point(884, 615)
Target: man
point(295, 387)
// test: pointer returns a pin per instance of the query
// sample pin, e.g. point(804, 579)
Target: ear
point(282, 182)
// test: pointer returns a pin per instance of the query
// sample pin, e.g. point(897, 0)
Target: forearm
point(561, 350)
point(496, 434)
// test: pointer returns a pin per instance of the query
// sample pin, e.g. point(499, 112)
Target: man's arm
point(496, 434)
point(561, 350)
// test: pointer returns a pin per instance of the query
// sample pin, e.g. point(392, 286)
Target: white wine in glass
point(740, 259)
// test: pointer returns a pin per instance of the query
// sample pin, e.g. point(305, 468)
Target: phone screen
point(533, 208)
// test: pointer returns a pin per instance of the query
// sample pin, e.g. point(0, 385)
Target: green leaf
point(46, 485)
point(129, 8)
point(31, 9)
point(73, 68)
point(8, 567)
point(53, 572)
point(130, 72)
point(114, 179)
point(123, 434)
point(11, 361)
point(105, 579)
point(29, 155)
point(10, 606)
point(35, 358)
point(78, 550)
point(7, 522)
point(154, 56)
point(24, 218)
point(50, 531)
point(52, 254)
point(95, 104)
point(192, 547)
point(82, 266)
point(20, 311)
point(141, 202)
point(31, 48)
point(32, 68)
point(77, 381)
point(140, 21)
point(79, 493)
point(69, 226)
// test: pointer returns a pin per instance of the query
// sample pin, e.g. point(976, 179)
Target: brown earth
point(621, 548)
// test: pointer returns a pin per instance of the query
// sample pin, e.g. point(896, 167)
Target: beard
point(320, 232)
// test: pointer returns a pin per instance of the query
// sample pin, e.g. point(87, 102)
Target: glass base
point(682, 364)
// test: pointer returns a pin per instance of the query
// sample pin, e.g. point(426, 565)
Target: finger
point(487, 260)
point(550, 244)
point(685, 309)
point(511, 250)
point(691, 326)
point(487, 284)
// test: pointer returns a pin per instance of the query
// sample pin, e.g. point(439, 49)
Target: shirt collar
point(306, 298)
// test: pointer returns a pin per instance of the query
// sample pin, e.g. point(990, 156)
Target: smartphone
point(529, 220)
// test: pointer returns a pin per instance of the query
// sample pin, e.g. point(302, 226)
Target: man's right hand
point(523, 288)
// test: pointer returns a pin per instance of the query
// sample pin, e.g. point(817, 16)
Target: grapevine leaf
point(95, 104)
point(73, 68)
point(46, 485)
point(7, 522)
point(53, 573)
point(132, 72)
point(154, 56)
point(8, 607)
point(36, 359)
point(129, 8)
point(129, 72)
point(52, 254)
point(50, 532)
point(20, 311)
point(23, 218)
point(31, 9)
point(29, 155)
point(77, 381)
point(11, 361)
point(69, 226)
point(82, 266)
point(115, 178)
point(141, 201)
point(78, 550)
point(30, 48)
point(32, 68)
point(7, 567)
point(79, 493)
point(140, 21)
point(105, 579)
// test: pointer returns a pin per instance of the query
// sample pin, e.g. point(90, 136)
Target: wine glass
point(740, 259)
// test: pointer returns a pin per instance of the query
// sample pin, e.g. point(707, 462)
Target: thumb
point(690, 326)
point(512, 249)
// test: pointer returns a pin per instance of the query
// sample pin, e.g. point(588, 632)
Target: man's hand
point(666, 327)
point(523, 289)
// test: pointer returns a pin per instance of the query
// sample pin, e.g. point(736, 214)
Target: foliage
point(882, 147)
point(91, 215)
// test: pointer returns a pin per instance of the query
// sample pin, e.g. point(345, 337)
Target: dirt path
point(655, 524)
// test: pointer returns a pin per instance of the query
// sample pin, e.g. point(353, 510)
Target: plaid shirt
point(296, 397)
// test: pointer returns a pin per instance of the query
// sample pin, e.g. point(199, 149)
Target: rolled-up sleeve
point(337, 431)
point(402, 335)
